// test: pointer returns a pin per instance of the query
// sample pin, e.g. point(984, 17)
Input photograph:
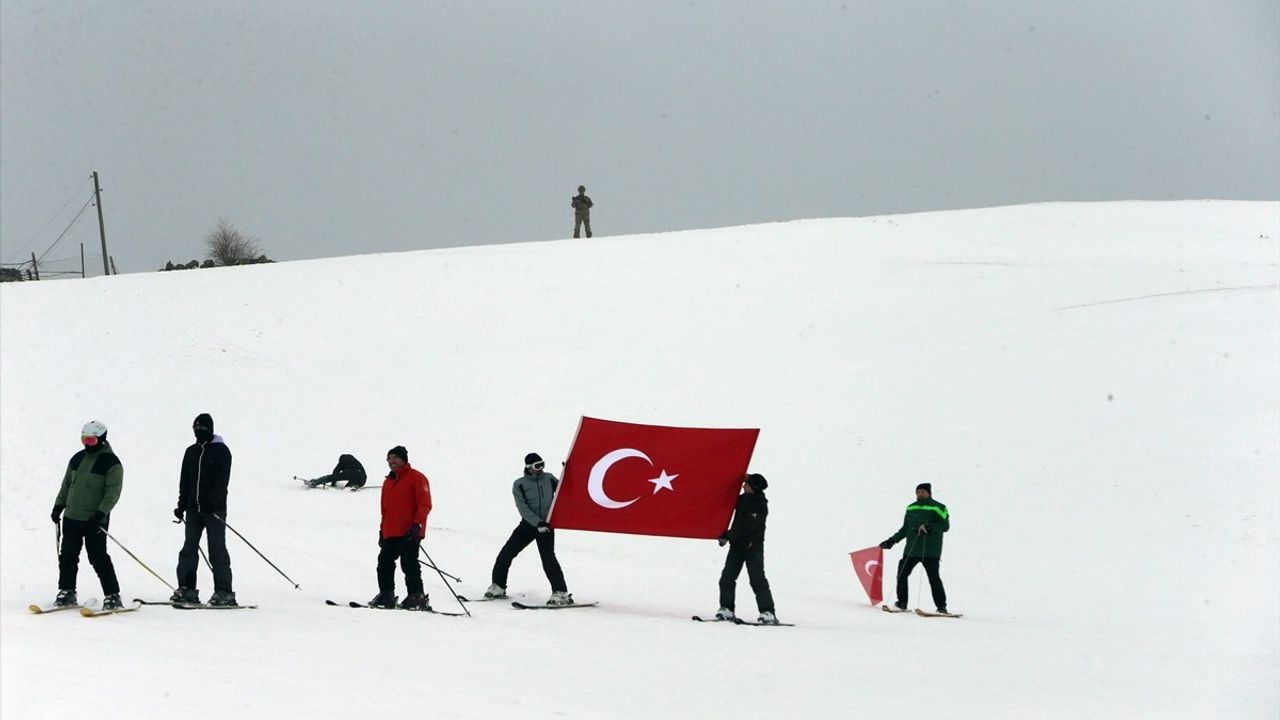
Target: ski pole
point(57, 545)
point(454, 578)
point(446, 582)
point(135, 558)
point(424, 563)
point(296, 586)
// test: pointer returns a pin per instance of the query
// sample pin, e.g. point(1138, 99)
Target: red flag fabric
point(869, 566)
point(651, 479)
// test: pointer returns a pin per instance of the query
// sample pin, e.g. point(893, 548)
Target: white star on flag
point(663, 482)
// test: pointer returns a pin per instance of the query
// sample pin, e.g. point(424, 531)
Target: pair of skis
point(367, 606)
point(525, 606)
point(89, 608)
point(740, 621)
point(332, 485)
point(921, 613)
point(194, 606)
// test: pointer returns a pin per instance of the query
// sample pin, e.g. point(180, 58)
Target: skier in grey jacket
point(533, 492)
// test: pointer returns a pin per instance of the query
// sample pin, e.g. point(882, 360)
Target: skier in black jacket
point(202, 495)
point(745, 538)
point(348, 469)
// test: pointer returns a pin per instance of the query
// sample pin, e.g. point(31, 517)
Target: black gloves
point(98, 518)
point(723, 540)
point(544, 528)
point(414, 530)
point(177, 512)
point(56, 515)
point(886, 544)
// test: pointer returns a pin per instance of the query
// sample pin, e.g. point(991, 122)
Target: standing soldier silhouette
point(581, 211)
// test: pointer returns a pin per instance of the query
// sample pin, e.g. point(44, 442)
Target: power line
point(48, 222)
point(74, 220)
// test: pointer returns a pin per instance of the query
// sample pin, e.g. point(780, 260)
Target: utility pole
point(35, 266)
point(81, 260)
point(102, 230)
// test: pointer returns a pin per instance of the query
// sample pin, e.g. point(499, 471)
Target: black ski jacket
point(206, 472)
point(749, 517)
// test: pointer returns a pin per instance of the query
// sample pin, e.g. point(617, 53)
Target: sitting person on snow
point(348, 469)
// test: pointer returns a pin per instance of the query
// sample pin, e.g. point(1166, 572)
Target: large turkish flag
point(651, 479)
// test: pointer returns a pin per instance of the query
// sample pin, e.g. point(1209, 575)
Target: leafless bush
point(229, 246)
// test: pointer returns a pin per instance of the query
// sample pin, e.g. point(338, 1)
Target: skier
point(533, 492)
point(90, 489)
point(745, 538)
point(406, 502)
point(202, 505)
point(581, 211)
point(348, 469)
point(924, 523)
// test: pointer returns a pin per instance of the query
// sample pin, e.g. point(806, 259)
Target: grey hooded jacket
point(533, 494)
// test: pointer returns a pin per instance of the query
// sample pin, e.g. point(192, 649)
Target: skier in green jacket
point(922, 527)
point(90, 489)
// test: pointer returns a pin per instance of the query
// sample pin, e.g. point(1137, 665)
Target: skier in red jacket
point(406, 501)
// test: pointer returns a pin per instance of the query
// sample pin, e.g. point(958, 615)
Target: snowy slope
point(1093, 389)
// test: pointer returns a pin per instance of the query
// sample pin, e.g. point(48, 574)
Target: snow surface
point(1093, 389)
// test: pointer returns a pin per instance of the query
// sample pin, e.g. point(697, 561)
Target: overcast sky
point(331, 128)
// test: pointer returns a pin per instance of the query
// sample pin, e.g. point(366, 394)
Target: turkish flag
point(651, 479)
point(869, 565)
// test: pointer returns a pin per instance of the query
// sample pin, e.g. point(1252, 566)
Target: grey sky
point(327, 128)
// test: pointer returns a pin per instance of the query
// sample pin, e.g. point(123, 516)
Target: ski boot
point(112, 602)
point(416, 601)
point(185, 596)
point(768, 618)
point(725, 614)
point(560, 597)
point(385, 601)
point(223, 598)
point(66, 598)
point(495, 592)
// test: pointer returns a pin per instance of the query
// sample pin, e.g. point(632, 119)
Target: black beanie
point(399, 452)
point(204, 420)
point(757, 482)
point(531, 459)
point(925, 487)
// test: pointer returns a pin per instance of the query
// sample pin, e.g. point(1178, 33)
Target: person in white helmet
point(90, 489)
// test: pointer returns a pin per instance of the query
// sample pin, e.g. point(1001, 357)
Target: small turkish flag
point(869, 565)
point(652, 479)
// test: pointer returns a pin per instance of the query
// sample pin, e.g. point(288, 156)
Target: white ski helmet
point(93, 428)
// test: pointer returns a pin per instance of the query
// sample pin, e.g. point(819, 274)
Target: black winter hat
point(927, 487)
point(399, 452)
point(757, 482)
point(204, 420)
point(532, 459)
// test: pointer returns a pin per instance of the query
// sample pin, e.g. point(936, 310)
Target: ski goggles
point(535, 466)
point(89, 440)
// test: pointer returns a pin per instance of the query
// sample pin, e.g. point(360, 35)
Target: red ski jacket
point(406, 499)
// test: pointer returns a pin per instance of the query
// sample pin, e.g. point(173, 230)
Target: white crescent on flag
point(595, 482)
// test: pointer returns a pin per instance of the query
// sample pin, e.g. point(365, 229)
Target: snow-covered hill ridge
point(1092, 389)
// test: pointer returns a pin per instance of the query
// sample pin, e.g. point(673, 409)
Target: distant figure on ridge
point(924, 523)
point(581, 210)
